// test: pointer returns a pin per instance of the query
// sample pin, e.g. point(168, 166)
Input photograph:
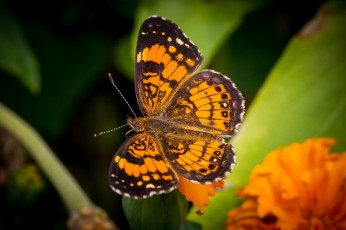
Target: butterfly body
point(185, 117)
point(163, 127)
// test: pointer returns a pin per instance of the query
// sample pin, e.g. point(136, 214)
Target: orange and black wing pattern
point(208, 102)
point(185, 119)
point(165, 59)
point(139, 170)
point(199, 161)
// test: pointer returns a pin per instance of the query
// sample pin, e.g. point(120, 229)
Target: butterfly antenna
point(111, 79)
point(108, 131)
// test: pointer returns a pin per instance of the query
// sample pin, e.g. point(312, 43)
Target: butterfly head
point(137, 124)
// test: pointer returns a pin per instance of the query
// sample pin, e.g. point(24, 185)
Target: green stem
point(69, 190)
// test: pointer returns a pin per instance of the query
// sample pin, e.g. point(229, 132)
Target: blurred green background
point(54, 61)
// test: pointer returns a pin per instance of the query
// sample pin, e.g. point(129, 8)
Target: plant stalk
point(71, 193)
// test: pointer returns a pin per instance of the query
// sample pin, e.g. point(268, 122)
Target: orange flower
point(302, 185)
point(198, 193)
point(245, 218)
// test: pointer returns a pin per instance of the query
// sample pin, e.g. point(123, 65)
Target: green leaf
point(166, 211)
point(188, 225)
point(207, 23)
point(16, 56)
point(122, 57)
point(250, 53)
point(304, 96)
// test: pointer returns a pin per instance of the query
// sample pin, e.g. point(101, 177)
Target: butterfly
point(185, 117)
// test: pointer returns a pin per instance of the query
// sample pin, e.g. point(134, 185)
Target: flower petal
point(245, 218)
point(198, 193)
point(303, 185)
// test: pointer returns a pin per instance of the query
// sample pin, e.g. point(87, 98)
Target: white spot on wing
point(179, 41)
point(150, 186)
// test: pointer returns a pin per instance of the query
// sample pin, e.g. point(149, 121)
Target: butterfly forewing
point(165, 58)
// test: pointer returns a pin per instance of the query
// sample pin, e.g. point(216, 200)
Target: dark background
point(74, 43)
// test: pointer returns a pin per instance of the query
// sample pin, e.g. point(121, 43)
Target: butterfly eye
point(136, 124)
point(138, 127)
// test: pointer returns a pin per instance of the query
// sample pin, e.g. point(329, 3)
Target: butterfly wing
point(165, 58)
point(139, 170)
point(208, 106)
point(199, 161)
point(210, 102)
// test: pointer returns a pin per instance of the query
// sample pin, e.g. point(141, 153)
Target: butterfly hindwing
point(165, 58)
point(139, 170)
point(199, 161)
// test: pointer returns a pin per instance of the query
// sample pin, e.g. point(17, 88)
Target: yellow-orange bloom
point(246, 218)
point(198, 193)
point(302, 185)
